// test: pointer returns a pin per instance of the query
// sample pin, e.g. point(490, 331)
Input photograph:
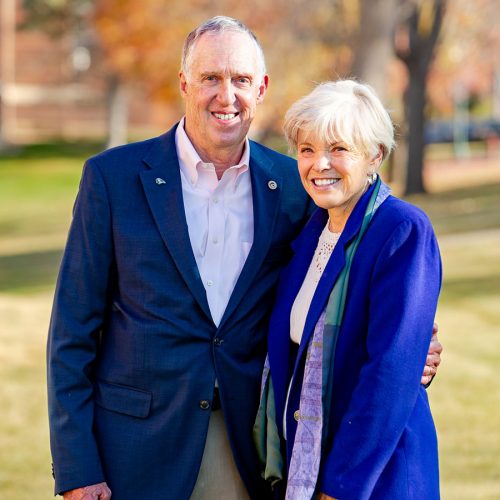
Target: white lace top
point(326, 244)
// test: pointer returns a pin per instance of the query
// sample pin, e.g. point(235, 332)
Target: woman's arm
point(402, 302)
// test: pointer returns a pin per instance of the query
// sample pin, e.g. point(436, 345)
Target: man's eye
point(243, 80)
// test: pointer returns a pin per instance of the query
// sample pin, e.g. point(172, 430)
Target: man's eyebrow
point(210, 73)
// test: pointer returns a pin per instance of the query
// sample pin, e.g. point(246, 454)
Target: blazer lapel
point(331, 272)
point(163, 189)
point(266, 195)
point(280, 345)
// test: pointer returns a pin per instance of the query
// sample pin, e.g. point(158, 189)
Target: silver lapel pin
point(272, 185)
point(159, 181)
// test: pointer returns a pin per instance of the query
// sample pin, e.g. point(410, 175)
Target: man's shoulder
point(134, 151)
point(275, 156)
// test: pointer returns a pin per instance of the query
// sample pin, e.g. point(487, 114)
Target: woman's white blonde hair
point(344, 111)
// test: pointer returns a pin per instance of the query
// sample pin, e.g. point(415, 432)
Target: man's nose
point(225, 95)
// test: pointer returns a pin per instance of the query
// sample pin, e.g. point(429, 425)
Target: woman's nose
point(323, 162)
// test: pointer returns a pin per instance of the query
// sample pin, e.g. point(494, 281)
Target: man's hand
point(433, 357)
point(93, 492)
point(324, 496)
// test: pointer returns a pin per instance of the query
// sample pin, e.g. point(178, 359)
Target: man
point(164, 293)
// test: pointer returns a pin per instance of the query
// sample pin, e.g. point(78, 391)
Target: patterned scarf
point(315, 398)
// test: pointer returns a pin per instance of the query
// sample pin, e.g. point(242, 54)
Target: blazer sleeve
point(403, 296)
point(77, 317)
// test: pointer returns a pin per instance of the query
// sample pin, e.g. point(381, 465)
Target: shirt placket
point(214, 250)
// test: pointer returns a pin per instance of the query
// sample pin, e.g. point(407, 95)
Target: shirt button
point(215, 241)
point(204, 404)
point(216, 200)
point(296, 415)
point(210, 283)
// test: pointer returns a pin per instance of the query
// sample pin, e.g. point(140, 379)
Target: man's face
point(221, 91)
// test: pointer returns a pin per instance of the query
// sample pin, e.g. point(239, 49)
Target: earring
point(372, 178)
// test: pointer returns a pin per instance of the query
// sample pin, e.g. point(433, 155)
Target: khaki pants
point(218, 478)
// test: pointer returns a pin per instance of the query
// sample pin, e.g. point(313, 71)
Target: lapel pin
point(272, 185)
point(159, 181)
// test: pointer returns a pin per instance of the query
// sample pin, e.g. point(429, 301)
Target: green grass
point(465, 397)
point(37, 190)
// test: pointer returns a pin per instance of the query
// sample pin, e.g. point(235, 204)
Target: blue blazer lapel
point(292, 277)
point(265, 208)
point(163, 189)
point(331, 272)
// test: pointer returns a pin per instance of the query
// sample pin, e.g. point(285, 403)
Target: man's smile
point(225, 116)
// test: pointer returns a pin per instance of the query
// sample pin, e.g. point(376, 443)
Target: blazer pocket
point(123, 399)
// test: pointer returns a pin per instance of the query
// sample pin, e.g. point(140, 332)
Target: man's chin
point(228, 141)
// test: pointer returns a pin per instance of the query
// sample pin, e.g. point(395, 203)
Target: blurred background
point(77, 76)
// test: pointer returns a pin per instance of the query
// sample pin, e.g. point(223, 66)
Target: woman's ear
point(377, 159)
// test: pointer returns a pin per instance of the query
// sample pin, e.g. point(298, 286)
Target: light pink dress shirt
point(219, 216)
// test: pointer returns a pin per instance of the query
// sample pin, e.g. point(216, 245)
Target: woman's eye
point(306, 150)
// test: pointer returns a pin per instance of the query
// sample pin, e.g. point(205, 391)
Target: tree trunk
point(117, 110)
point(372, 46)
point(422, 27)
point(415, 106)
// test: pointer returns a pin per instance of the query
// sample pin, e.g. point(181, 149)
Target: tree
point(415, 41)
point(372, 43)
point(72, 18)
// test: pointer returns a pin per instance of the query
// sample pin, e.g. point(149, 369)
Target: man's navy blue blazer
point(132, 351)
point(382, 441)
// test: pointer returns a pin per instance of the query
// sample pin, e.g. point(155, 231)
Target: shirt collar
point(190, 161)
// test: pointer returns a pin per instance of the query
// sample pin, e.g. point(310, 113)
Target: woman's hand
point(433, 358)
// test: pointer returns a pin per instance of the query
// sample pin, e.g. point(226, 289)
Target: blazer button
point(204, 404)
point(296, 415)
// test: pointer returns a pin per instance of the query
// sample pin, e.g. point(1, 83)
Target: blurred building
point(58, 87)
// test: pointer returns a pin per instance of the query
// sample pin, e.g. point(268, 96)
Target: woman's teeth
point(324, 182)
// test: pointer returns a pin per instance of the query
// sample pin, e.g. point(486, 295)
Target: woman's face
point(334, 175)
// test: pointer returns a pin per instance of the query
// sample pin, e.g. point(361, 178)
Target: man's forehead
point(215, 47)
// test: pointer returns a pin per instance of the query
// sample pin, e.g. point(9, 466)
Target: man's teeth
point(221, 116)
point(325, 182)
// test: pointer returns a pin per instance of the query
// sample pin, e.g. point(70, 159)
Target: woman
point(346, 348)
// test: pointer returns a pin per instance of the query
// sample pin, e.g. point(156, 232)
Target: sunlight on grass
point(465, 398)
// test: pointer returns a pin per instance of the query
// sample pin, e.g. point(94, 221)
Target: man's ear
point(263, 88)
point(182, 83)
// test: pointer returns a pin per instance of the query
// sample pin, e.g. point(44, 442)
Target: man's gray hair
point(219, 24)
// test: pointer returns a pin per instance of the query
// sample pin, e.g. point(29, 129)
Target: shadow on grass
point(64, 149)
point(29, 271)
point(462, 210)
point(459, 288)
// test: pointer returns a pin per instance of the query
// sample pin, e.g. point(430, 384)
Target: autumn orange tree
point(467, 63)
point(72, 19)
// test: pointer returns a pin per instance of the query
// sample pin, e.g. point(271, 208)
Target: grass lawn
point(37, 191)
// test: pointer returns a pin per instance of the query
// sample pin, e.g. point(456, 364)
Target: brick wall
point(43, 96)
